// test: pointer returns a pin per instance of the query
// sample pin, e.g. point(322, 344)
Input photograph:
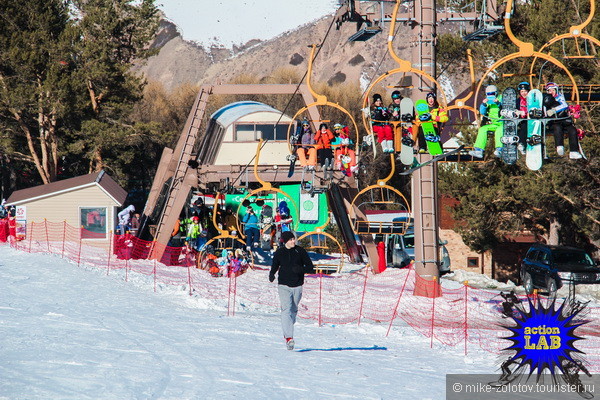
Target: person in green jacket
point(194, 234)
point(490, 109)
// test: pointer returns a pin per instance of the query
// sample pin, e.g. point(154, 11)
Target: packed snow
point(70, 332)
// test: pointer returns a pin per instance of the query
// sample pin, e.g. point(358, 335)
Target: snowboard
point(510, 139)
point(417, 166)
point(265, 236)
point(407, 142)
point(293, 156)
point(432, 139)
point(533, 156)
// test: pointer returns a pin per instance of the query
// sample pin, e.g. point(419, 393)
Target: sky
point(237, 21)
point(69, 332)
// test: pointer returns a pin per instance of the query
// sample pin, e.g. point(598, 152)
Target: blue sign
point(544, 338)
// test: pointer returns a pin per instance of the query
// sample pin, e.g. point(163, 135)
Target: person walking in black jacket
point(292, 262)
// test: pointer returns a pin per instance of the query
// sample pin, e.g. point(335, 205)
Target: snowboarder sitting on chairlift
point(490, 109)
point(556, 107)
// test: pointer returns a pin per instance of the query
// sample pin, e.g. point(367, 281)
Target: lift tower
point(424, 181)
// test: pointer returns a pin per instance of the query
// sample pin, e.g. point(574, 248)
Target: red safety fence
point(4, 232)
point(462, 316)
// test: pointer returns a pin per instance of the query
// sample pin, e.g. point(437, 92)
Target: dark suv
point(549, 267)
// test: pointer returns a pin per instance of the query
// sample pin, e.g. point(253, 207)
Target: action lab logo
point(542, 338)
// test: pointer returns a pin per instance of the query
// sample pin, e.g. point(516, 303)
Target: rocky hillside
point(180, 61)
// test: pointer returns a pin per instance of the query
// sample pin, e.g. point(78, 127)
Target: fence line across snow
point(461, 316)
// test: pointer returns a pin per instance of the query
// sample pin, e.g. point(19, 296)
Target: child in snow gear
point(383, 130)
point(290, 263)
point(307, 150)
point(323, 138)
point(345, 156)
point(193, 237)
point(490, 110)
point(556, 106)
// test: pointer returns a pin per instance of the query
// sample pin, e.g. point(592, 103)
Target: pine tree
point(35, 81)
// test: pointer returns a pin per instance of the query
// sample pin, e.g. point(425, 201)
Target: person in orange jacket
point(323, 138)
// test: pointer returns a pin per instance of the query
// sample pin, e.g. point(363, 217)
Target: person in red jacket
point(290, 263)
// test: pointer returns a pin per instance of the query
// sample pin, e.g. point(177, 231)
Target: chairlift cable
point(289, 101)
point(380, 63)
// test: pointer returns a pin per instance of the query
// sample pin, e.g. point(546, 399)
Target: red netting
point(463, 316)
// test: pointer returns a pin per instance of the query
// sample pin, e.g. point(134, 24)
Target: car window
point(573, 257)
point(532, 255)
point(409, 241)
point(544, 257)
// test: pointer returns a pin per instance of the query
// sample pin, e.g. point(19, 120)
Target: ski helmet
point(376, 97)
point(431, 94)
point(195, 219)
point(338, 126)
point(396, 94)
point(305, 122)
point(524, 86)
point(552, 85)
point(491, 90)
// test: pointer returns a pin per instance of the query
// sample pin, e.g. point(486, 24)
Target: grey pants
point(289, 297)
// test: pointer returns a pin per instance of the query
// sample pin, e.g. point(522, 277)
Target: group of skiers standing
point(262, 230)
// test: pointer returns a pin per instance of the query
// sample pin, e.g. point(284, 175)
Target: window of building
point(93, 222)
point(472, 262)
point(245, 133)
point(253, 132)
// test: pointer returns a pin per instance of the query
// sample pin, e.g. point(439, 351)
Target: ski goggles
point(491, 93)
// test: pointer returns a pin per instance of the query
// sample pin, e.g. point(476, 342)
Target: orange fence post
point(320, 298)
point(47, 237)
point(80, 243)
point(189, 279)
point(64, 238)
point(229, 294)
point(432, 312)
point(30, 234)
point(110, 242)
point(466, 316)
point(126, 267)
point(154, 273)
point(398, 302)
point(362, 300)
point(234, 294)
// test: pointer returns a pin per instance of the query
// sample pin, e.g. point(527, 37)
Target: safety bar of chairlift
point(382, 228)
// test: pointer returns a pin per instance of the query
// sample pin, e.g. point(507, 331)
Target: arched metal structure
point(223, 241)
point(320, 237)
point(525, 49)
point(575, 33)
point(379, 195)
point(265, 188)
point(321, 100)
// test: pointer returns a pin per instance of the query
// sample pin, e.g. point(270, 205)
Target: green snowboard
point(432, 139)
